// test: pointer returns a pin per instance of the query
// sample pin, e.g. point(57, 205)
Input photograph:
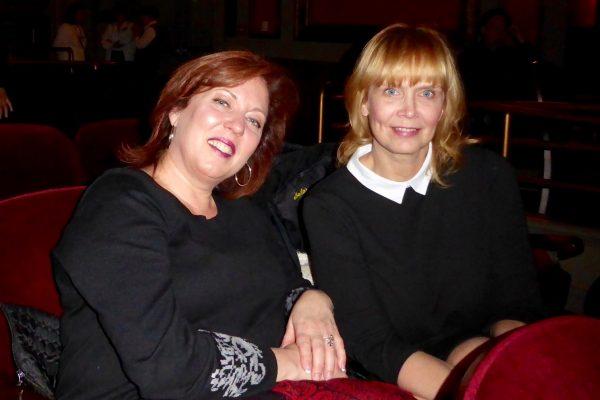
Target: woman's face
point(218, 131)
point(403, 118)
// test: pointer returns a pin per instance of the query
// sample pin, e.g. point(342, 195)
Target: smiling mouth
point(225, 147)
point(402, 131)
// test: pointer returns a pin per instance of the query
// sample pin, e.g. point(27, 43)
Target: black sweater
point(142, 280)
point(425, 274)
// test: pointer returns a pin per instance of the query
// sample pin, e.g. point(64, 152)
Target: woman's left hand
point(312, 327)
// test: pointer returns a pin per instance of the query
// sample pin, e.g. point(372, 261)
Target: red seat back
point(36, 157)
point(100, 142)
point(558, 358)
point(30, 226)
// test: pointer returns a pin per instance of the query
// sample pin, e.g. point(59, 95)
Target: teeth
point(407, 130)
point(225, 148)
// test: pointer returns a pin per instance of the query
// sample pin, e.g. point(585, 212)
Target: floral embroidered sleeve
point(242, 366)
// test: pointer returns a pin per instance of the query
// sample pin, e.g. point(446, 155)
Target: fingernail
point(343, 369)
point(307, 370)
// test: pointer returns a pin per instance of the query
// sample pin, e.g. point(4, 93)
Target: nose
point(235, 123)
point(407, 107)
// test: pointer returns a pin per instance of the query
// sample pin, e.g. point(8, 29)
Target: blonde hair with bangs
point(401, 53)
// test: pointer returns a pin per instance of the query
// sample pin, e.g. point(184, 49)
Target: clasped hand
point(312, 346)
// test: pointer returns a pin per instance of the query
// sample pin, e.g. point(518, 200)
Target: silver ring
point(329, 340)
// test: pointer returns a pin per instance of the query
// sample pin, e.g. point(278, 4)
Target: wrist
point(286, 368)
point(317, 296)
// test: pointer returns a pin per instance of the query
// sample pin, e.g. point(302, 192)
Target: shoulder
point(122, 192)
point(484, 166)
point(119, 180)
point(120, 204)
point(334, 184)
point(335, 191)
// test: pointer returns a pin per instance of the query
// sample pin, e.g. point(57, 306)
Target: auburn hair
point(223, 69)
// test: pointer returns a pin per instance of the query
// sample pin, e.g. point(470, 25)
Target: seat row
point(36, 157)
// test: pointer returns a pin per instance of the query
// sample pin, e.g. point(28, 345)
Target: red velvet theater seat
point(340, 389)
point(558, 358)
point(30, 226)
point(100, 142)
point(36, 157)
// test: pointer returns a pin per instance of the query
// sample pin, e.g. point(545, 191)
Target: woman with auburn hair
point(419, 238)
point(175, 286)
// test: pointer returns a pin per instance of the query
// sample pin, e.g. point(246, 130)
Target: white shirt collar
point(385, 187)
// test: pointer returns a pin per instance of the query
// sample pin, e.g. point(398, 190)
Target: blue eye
point(428, 93)
point(391, 91)
point(221, 102)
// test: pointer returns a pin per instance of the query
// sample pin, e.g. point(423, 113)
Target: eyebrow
point(428, 86)
point(253, 109)
point(230, 93)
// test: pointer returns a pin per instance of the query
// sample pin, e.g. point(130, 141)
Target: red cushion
point(30, 226)
point(341, 389)
point(36, 157)
point(558, 358)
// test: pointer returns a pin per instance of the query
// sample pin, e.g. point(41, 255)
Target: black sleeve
point(516, 292)
point(116, 254)
point(338, 265)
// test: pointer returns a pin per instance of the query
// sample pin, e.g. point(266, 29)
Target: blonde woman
point(419, 238)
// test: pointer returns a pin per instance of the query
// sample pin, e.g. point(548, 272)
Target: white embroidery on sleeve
point(240, 365)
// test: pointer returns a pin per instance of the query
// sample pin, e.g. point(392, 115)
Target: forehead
point(253, 86)
point(252, 93)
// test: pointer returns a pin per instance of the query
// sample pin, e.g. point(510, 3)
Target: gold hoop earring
point(249, 176)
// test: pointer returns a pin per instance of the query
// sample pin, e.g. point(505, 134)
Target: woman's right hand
point(289, 367)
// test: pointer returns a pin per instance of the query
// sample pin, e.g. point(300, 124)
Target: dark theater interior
point(79, 82)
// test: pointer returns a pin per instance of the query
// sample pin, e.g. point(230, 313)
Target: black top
point(425, 274)
point(142, 280)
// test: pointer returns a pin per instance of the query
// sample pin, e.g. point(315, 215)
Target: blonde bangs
point(413, 58)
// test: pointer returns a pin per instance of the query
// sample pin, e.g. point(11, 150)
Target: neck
point(395, 167)
point(195, 196)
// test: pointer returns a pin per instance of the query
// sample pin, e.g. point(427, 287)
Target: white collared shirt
point(388, 188)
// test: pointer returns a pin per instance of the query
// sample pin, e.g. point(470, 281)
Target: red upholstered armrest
point(553, 359)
